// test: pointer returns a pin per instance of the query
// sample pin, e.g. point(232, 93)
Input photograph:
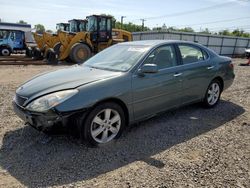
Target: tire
point(57, 48)
point(51, 57)
point(37, 54)
point(80, 53)
point(29, 52)
point(213, 94)
point(98, 130)
point(4, 51)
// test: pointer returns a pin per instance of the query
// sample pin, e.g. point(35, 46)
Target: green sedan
point(121, 85)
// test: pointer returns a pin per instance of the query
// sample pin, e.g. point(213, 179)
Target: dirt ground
point(188, 147)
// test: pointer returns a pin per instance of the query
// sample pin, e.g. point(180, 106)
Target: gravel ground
point(188, 147)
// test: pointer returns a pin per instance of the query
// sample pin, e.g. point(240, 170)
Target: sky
point(199, 14)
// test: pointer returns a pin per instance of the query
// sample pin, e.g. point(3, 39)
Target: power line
point(192, 11)
point(246, 28)
point(189, 11)
point(212, 22)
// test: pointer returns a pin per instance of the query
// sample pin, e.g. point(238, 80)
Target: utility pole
point(122, 20)
point(143, 20)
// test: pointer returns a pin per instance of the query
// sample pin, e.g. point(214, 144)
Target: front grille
point(20, 100)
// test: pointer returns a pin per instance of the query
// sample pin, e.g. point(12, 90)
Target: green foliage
point(186, 29)
point(131, 27)
point(39, 28)
point(206, 31)
point(22, 22)
point(236, 32)
point(49, 31)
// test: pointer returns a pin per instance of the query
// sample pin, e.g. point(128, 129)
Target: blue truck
point(15, 38)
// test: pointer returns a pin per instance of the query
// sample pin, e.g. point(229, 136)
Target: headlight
point(46, 102)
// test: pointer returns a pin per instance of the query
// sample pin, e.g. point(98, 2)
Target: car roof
point(154, 42)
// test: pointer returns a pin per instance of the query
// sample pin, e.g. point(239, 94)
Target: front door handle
point(210, 67)
point(177, 74)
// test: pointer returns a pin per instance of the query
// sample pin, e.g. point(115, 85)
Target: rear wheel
point(4, 51)
point(104, 123)
point(213, 93)
point(80, 53)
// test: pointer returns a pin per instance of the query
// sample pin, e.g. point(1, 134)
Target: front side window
point(163, 57)
point(190, 54)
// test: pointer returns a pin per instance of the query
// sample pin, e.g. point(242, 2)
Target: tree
point(39, 28)
point(49, 31)
point(205, 31)
point(186, 29)
point(130, 27)
point(225, 32)
point(22, 22)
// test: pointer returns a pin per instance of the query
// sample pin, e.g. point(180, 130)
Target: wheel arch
point(220, 80)
point(117, 101)
point(6, 46)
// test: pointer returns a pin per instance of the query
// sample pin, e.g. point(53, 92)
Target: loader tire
point(51, 57)
point(80, 53)
point(29, 52)
point(37, 54)
point(57, 48)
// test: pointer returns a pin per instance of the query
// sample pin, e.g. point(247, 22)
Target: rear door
point(155, 92)
point(197, 72)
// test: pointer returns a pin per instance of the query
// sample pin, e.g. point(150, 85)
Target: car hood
point(62, 79)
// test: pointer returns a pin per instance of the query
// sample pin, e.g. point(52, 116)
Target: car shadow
point(39, 162)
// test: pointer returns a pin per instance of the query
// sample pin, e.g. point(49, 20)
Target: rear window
point(191, 54)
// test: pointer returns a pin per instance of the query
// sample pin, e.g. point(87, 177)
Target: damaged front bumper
point(48, 120)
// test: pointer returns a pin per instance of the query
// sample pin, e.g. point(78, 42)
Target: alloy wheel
point(105, 125)
point(213, 93)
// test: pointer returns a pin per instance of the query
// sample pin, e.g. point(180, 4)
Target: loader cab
point(62, 27)
point(77, 25)
point(100, 28)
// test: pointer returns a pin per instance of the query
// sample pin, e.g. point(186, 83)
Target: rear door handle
point(210, 67)
point(177, 74)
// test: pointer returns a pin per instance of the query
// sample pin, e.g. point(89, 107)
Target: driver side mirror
point(148, 68)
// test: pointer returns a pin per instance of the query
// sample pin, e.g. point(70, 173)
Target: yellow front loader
point(47, 40)
point(78, 47)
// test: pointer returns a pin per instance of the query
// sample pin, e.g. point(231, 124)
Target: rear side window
point(191, 54)
point(163, 57)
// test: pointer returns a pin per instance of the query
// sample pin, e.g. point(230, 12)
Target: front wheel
point(104, 123)
point(79, 53)
point(213, 93)
point(5, 51)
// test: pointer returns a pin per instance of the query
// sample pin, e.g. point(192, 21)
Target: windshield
point(117, 57)
point(4, 34)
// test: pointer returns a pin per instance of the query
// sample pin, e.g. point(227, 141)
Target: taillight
point(231, 65)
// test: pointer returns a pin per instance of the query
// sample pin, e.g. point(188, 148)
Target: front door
point(155, 92)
